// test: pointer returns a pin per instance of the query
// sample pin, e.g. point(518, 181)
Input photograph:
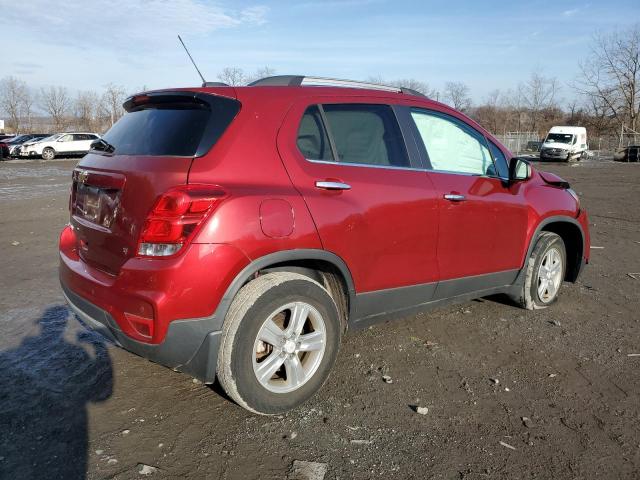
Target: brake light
point(176, 217)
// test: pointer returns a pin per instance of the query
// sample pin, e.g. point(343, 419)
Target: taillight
point(176, 217)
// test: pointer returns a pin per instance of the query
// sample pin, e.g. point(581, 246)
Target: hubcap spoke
point(269, 366)
point(271, 333)
point(311, 341)
point(295, 372)
point(299, 314)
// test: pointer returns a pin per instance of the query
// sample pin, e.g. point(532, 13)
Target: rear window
point(171, 125)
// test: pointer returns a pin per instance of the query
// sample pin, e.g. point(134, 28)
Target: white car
point(60, 144)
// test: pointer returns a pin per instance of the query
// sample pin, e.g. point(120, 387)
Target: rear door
point(153, 147)
point(483, 220)
point(369, 198)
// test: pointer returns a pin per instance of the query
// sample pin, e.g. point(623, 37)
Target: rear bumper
point(186, 347)
point(177, 298)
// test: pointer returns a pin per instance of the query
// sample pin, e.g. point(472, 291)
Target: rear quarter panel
point(246, 163)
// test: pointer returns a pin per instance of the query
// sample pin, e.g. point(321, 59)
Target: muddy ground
point(72, 406)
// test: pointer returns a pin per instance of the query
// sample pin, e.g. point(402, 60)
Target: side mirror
point(519, 170)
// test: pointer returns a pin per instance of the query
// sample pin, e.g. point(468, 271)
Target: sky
point(86, 44)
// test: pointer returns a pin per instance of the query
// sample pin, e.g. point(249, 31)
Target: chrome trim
point(454, 197)
point(345, 164)
point(335, 82)
point(411, 169)
point(326, 185)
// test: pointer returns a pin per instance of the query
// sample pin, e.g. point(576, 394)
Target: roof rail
point(301, 80)
point(214, 84)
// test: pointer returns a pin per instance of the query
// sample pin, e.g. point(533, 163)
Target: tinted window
point(452, 147)
point(313, 142)
point(500, 161)
point(159, 131)
point(366, 134)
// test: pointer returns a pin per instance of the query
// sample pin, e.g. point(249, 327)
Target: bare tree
point(538, 94)
point(111, 102)
point(232, 76)
point(456, 94)
point(263, 72)
point(612, 75)
point(13, 96)
point(86, 110)
point(57, 103)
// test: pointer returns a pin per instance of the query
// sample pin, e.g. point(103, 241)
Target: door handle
point(327, 185)
point(454, 197)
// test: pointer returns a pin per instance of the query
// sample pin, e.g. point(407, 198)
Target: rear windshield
point(171, 129)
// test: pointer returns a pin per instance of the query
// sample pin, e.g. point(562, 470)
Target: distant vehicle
point(533, 146)
point(628, 154)
point(10, 146)
point(61, 144)
point(565, 143)
point(5, 136)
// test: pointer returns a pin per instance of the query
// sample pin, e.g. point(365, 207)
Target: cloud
point(571, 12)
point(122, 23)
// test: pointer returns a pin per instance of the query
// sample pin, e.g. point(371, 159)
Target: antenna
point(194, 63)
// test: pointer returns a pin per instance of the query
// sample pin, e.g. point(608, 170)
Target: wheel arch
point(325, 267)
point(570, 230)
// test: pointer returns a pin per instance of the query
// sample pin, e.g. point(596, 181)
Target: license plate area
point(96, 205)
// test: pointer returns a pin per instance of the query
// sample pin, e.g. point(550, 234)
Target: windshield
point(18, 139)
point(559, 138)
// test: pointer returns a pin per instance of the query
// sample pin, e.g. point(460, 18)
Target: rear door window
point(366, 134)
point(313, 141)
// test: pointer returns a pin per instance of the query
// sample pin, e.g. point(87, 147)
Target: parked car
point(61, 144)
point(565, 143)
point(5, 136)
point(239, 232)
point(630, 153)
point(10, 147)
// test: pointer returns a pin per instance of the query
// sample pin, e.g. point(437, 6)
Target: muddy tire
point(279, 342)
point(48, 153)
point(545, 272)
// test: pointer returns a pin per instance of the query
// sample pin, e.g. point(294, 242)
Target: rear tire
point(264, 365)
point(48, 153)
point(545, 271)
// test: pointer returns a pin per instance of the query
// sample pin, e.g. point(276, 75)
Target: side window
point(366, 134)
point(313, 142)
point(78, 136)
point(502, 166)
point(451, 147)
point(66, 138)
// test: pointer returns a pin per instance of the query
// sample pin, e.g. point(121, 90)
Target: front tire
point(545, 272)
point(279, 342)
point(48, 153)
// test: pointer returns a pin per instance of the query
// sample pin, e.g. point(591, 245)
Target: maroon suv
point(238, 232)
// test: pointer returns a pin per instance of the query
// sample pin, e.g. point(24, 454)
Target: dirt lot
point(566, 406)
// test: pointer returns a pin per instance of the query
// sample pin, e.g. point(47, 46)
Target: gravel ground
point(510, 393)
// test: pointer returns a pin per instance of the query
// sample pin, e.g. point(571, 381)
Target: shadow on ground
point(45, 386)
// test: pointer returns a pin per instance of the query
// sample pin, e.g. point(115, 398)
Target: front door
point(372, 206)
point(483, 220)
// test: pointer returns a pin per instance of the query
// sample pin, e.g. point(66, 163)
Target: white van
point(565, 143)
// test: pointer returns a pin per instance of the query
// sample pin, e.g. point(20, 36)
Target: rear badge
point(125, 250)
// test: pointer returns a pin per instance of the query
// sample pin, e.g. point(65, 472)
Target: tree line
point(606, 91)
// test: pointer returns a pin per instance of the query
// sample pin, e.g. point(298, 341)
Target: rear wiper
point(102, 145)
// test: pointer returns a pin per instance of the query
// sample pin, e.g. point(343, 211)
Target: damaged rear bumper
point(187, 346)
